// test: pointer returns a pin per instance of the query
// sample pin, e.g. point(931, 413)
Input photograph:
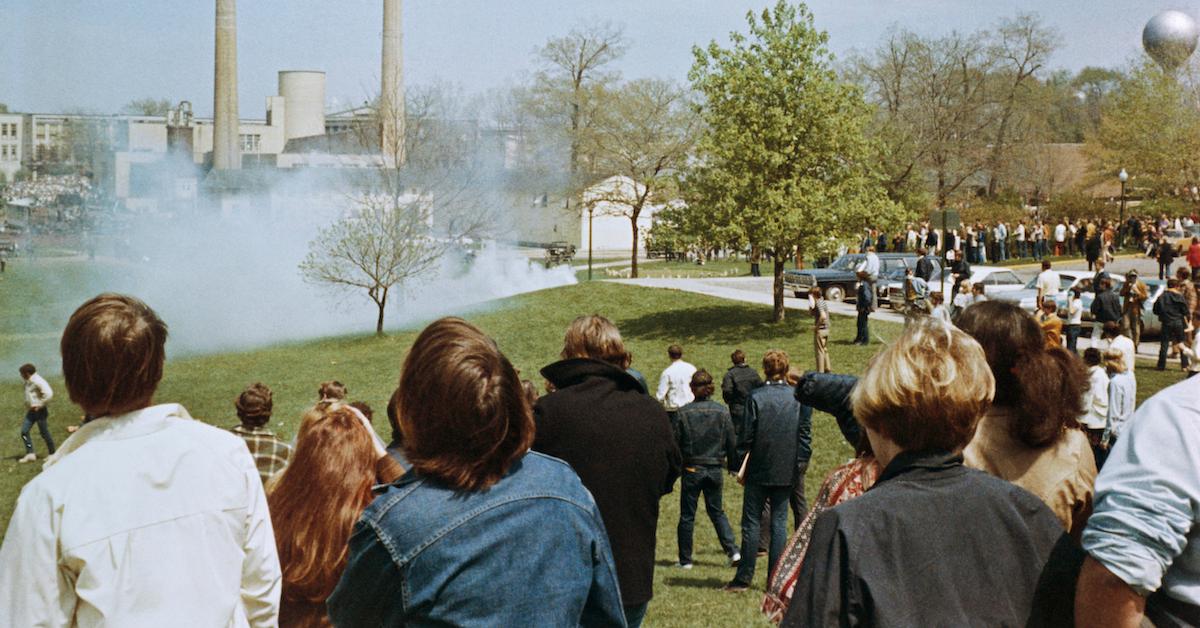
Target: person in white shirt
point(37, 394)
point(1074, 323)
point(675, 383)
point(1047, 284)
point(939, 306)
point(1060, 238)
point(144, 517)
point(1095, 400)
point(1021, 247)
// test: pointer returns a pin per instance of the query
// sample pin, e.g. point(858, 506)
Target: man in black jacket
point(1172, 310)
point(706, 442)
point(1105, 307)
point(925, 265)
point(619, 441)
point(777, 437)
point(739, 380)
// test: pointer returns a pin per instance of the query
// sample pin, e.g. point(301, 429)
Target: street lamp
point(1123, 177)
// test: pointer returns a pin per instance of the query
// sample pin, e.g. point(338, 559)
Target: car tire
point(835, 293)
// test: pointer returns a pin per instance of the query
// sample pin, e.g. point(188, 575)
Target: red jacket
point(1193, 255)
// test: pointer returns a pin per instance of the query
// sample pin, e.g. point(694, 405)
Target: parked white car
point(995, 280)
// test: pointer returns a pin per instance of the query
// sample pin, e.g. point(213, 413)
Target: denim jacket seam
point(402, 560)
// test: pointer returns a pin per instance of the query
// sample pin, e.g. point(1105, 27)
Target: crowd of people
point(48, 190)
point(1094, 239)
point(998, 479)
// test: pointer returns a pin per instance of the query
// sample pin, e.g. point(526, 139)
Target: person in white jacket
point(675, 383)
point(37, 394)
point(144, 517)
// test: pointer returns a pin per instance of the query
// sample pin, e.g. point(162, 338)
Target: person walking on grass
point(1135, 293)
point(739, 380)
point(777, 438)
point(674, 390)
point(820, 312)
point(37, 394)
point(1172, 311)
point(707, 443)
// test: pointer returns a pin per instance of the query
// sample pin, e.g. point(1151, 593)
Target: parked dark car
point(837, 280)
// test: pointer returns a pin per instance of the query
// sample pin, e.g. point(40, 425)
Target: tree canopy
point(784, 159)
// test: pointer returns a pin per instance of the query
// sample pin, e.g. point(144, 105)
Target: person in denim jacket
point(706, 440)
point(481, 532)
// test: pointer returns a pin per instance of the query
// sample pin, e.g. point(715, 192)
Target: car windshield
point(845, 262)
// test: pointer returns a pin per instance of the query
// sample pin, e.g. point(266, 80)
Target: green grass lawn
point(529, 329)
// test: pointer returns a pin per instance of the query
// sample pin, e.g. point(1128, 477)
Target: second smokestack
point(226, 148)
point(391, 96)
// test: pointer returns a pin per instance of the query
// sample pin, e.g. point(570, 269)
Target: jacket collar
point(125, 426)
point(907, 461)
point(566, 373)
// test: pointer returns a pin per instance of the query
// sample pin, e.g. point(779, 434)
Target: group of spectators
point(1094, 239)
point(973, 498)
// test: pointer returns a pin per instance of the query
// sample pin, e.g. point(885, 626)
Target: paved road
point(758, 290)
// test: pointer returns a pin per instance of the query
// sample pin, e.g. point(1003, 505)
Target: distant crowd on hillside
point(998, 479)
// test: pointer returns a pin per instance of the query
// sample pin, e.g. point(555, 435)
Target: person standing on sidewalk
point(1172, 311)
point(1135, 293)
point(37, 393)
point(1193, 258)
point(705, 436)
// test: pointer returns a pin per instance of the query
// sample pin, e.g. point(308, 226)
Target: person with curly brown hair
point(254, 407)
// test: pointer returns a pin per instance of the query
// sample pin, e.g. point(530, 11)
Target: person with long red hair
point(315, 501)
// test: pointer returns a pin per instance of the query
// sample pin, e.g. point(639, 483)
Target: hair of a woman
point(596, 338)
point(1043, 385)
point(318, 497)
point(254, 405)
point(462, 409)
point(927, 390)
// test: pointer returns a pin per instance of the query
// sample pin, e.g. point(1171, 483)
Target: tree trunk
point(382, 303)
point(799, 257)
point(633, 271)
point(777, 290)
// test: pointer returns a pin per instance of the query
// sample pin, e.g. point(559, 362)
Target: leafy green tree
point(1151, 128)
point(783, 159)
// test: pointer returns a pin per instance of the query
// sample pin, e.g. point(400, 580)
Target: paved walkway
point(758, 290)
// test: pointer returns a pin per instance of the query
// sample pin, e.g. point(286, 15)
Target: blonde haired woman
point(909, 551)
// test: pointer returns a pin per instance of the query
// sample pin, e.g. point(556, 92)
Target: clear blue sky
point(62, 55)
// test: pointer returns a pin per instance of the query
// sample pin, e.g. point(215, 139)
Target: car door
point(1002, 281)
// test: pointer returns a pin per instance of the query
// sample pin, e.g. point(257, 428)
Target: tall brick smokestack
point(226, 149)
point(391, 94)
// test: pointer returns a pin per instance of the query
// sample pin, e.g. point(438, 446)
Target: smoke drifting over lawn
point(232, 283)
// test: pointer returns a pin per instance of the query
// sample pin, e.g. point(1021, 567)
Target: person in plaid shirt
point(254, 409)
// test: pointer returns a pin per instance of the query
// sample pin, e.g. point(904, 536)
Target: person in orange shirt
point(1051, 324)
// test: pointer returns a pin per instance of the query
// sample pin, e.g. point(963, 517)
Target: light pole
point(1123, 177)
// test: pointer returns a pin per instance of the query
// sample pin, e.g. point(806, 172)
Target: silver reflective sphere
point(1170, 38)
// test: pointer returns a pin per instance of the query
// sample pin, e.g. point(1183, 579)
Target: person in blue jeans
point(777, 436)
point(37, 393)
point(481, 531)
point(707, 443)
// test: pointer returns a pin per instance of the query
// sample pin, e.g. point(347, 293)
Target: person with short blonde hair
point(908, 551)
point(594, 337)
point(157, 518)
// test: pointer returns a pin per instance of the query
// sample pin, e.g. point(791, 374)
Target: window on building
point(251, 143)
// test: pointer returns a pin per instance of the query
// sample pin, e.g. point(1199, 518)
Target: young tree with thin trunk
point(645, 136)
point(783, 155)
point(419, 202)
